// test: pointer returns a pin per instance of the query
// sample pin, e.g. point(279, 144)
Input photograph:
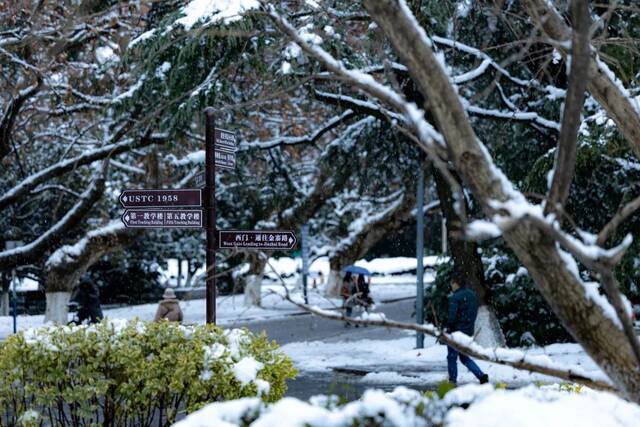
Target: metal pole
point(15, 300)
point(420, 257)
point(210, 212)
point(305, 260)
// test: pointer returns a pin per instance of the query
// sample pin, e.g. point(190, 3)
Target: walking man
point(463, 309)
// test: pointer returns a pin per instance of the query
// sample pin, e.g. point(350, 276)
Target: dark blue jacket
point(463, 309)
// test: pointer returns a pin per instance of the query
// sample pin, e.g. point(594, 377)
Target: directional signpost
point(161, 198)
point(225, 140)
point(225, 149)
point(225, 160)
point(162, 218)
point(157, 209)
point(265, 240)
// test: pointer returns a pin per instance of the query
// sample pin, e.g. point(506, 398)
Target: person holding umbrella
point(354, 291)
point(346, 292)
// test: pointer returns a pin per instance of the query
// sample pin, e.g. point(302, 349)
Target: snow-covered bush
point(128, 373)
point(471, 405)
point(525, 317)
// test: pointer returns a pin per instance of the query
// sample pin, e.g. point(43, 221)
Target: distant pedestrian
point(169, 307)
point(87, 295)
point(347, 291)
point(364, 292)
point(463, 309)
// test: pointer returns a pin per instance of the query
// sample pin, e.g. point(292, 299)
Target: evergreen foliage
point(131, 373)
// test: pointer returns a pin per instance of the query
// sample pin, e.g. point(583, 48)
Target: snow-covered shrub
point(470, 405)
point(524, 315)
point(127, 373)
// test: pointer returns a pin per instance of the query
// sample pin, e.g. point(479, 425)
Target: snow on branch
point(30, 252)
point(65, 166)
point(603, 84)
point(311, 138)
point(361, 105)
point(524, 116)
point(367, 221)
point(364, 82)
point(65, 266)
point(473, 74)
point(67, 253)
point(485, 58)
point(128, 168)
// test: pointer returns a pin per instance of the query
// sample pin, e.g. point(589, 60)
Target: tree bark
point(467, 263)
point(57, 310)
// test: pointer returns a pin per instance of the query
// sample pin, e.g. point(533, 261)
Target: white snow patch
point(142, 37)
point(246, 370)
point(105, 54)
point(480, 229)
point(533, 407)
point(212, 11)
point(285, 68)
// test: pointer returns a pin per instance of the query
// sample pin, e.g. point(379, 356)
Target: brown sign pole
point(210, 212)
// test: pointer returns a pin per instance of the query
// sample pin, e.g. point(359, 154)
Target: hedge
point(120, 373)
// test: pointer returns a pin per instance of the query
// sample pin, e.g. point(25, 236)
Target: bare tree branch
point(603, 84)
point(565, 160)
point(305, 139)
point(62, 167)
point(32, 251)
point(11, 112)
point(610, 228)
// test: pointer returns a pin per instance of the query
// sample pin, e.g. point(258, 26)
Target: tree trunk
point(252, 290)
point(487, 330)
point(467, 264)
point(253, 280)
point(57, 310)
point(4, 301)
point(5, 282)
point(334, 280)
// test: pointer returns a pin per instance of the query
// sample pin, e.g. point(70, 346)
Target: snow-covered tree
point(443, 126)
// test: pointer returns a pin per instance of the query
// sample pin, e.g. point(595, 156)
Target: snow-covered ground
point(397, 361)
point(231, 309)
point(467, 406)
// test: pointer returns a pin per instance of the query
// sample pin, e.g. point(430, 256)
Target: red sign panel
point(266, 240)
point(162, 218)
point(184, 198)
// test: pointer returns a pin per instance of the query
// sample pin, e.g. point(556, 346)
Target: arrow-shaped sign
point(162, 218)
point(254, 239)
point(181, 198)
